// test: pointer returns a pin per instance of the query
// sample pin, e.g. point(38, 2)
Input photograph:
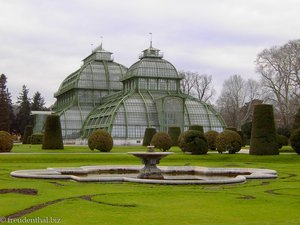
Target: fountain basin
point(172, 174)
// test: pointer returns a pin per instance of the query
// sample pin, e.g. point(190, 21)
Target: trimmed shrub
point(52, 136)
point(193, 141)
point(211, 137)
point(196, 127)
point(6, 141)
point(296, 124)
point(27, 133)
point(284, 131)
point(100, 140)
point(243, 136)
point(263, 134)
point(246, 129)
point(37, 138)
point(149, 133)
point(295, 140)
point(231, 128)
point(229, 141)
point(162, 141)
point(174, 133)
point(281, 140)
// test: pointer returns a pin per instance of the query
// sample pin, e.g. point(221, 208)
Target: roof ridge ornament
point(101, 37)
point(151, 52)
point(150, 39)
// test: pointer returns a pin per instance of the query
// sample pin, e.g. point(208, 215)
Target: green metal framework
point(83, 90)
point(151, 97)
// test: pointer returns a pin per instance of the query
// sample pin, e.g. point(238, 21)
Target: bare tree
point(203, 87)
point(199, 86)
point(237, 99)
point(292, 52)
point(188, 81)
point(279, 68)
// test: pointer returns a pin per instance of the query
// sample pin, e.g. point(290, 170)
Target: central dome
point(152, 65)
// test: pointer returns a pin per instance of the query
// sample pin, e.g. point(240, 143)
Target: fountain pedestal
point(150, 160)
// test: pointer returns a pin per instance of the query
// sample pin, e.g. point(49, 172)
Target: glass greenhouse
point(150, 97)
point(84, 89)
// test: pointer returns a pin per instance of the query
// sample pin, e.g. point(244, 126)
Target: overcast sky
point(43, 41)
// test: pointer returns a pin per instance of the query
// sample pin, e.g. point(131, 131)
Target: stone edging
point(242, 174)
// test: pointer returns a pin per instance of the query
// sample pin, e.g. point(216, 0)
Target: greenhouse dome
point(84, 89)
point(151, 97)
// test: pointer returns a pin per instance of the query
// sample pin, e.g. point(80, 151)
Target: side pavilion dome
point(84, 89)
point(151, 97)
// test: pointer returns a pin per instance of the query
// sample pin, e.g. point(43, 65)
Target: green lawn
point(259, 202)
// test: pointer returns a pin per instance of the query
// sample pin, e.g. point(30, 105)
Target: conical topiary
point(296, 124)
point(263, 133)
point(174, 133)
point(52, 135)
point(295, 140)
point(149, 133)
point(27, 133)
point(196, 127)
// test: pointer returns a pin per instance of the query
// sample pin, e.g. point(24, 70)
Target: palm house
point(84, 90)
point(150, 97)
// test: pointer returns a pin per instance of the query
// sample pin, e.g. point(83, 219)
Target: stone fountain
point(150, 159)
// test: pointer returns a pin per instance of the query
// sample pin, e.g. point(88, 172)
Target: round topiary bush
point(148, 135)
point(211, 137)
point(174, 133)
point(196, 127)
point(162, 141)
point(229, 141)
point(193, 141)
point(100, 140)
point(263, 135)
point(27, 133)
point(295, 140)
point(37, 138)
point(281, 140)
point(52, 136)
point(6, 142)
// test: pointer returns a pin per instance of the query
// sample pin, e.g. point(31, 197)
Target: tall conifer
point(5, 105)
point(23, 115)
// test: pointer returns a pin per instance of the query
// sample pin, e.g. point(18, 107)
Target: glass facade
point(151, 97)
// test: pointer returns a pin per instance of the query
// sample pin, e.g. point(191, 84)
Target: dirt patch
point(247, 197)
point(43, 205)
point(56, 183)
point(89, 198)
point(23, 191)
point(264, 183)
point(273, 192)
point(289, 175)
point(31, 209)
